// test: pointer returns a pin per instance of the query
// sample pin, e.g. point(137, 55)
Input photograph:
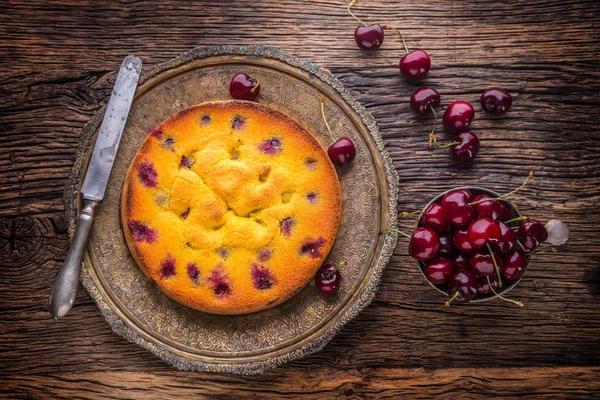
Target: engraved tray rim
point(314, 341)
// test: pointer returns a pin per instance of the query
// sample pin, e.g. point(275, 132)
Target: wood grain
point(58, 63)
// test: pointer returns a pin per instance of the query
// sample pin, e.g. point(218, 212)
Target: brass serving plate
point(252, 343)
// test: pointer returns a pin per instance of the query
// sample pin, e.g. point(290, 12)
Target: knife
point(64, 290)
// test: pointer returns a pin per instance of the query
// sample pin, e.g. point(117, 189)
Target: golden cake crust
point(230, 207)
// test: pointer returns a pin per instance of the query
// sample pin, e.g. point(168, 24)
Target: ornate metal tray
point(253, 343)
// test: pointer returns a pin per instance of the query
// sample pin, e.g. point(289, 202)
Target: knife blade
point(94, 185)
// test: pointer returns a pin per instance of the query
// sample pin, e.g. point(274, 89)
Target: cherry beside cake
point(230, 207)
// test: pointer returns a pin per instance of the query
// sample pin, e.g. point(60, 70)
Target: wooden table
point(59, 60)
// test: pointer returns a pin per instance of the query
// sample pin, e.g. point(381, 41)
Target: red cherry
point(508, 239)
point(483, 286)
point(423, 99)
point(514, 265)
point(465, 283)
point(482, 231)
point(424, 244)
point(532, 233)
point(342, 152)
point(415, 65)
point(492, 209)
point(328, 280)
point(447, 248)
point(455, 205)
point(461, 241)
point(439, 270)
point(467, 147)
point(481, 263)
point(434, 218)
point(496, 101)
point(461, 261)
point(458, 116)
point(242, 87)
point(369, 37)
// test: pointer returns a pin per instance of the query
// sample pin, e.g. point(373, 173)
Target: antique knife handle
point(66, 283)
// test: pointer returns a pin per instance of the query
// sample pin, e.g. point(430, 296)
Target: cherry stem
point(433, 139)
point(351, 13)
point(516, 219)
point(405, 214)
point(495, 265)
point(456, 294)
point(330, 273)
point(325, 119)
point(397, 231)
point(399, 34)
point(432, 134)
point(504, 196)
point(518, 303)
point(551, 250)
point(255, 87)
point(522, 247)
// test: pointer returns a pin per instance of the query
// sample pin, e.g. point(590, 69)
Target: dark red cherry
point(481, 263)
point(424, 244)
point(507, 241)
point(423, 99)
point(482, 284)
point(467, 147)
point(242, 87)
point(514, 265)
point(458, 116)
point(461, 261)
point(465, 283)
point(328, 280)
point(461, 241)
point(369, 37)
point(492, 209)
point(468, 194)
point(447, 248)
point(482, 231)
point(434, 218)
point(496, 101)
point(439, 270)
point(342, 152)
point(532, 233)
point(457, 210)
point(415, 65)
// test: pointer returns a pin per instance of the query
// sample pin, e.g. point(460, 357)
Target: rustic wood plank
point(58, 69)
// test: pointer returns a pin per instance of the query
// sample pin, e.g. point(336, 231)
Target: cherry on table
point(462, 287)
point(532, 233)
point(369, 37)
point(433, 218)
point(455, 205)
point(242, 87)
point(481, 263)
point(467, 147)
point(507, 241)
point(439, 270)
point(496, 101)
point(423, 99)
point(461, 241)
point(458, 116)
point(482, 231)
point(514, 265)
point(492, 209)
point(424, 244)
point(415, 65)
point(328, 279)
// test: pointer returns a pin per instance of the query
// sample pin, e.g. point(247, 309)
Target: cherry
point(462, 287)
point(461, 241)
point(483, 287)
point(455, 205)
point(461, 261)
point(492, 209)
point(439, 270)
point(467, 147)
point(481, 263)
point(458, 116)
point(342, 152)
point(446, 245)
point(328, 279)
point(369, 37)
point(242, 87)
point(514, 265)
point(415, 65)
point(532, 233)
point(496, 101)
point(483, 231)
point(423, 99)
point(507, 241)
point(434, 218)
point(424, 244)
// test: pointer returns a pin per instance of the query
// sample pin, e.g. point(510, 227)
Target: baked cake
point(230, 207)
